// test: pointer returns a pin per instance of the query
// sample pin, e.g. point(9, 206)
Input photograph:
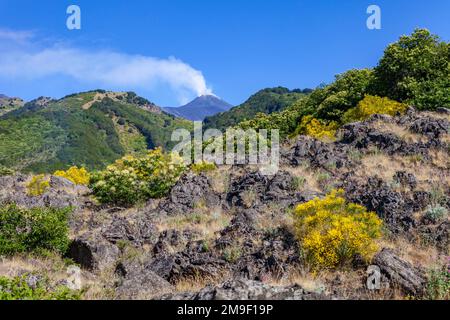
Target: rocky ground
point(227, 234)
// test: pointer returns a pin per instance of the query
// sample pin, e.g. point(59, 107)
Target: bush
point(4, 171)
point(438, 286)
point(319, 129)
point(79, 176)
point(38, 185)
point(415, 70)
point(373, 105)
point(203, 167)
point(131, 180)
point(436, 213)
point(349, 88)
point(33, 230)
point(332, 232)
point(18, 289)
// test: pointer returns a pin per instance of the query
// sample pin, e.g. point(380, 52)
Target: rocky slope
point(227, 234)
point(8, 104)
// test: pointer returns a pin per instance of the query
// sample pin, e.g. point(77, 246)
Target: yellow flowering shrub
point(318, 129)
point(374, 105)
point(38, 185)
point(79, 176)
point(133, 179)
point(332, 231)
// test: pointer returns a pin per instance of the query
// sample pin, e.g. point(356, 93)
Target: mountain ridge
point(200, 108)
point(46, 134)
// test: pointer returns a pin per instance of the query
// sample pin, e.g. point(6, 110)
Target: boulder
point(93, 253)
point(377, 196)
point(188, 193)
point(410, 279)
point(139, 283)
point(136, 230)
point(245, 290)
point(60, 193)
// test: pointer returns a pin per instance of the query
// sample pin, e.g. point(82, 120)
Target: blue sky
point(169, 51)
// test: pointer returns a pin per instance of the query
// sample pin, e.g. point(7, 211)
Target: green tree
point(415, 70)
point(344, 93)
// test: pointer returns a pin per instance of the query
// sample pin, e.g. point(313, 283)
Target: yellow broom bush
point(79, 176)
point(318, 129)
point(332, 232)
point(374, 105)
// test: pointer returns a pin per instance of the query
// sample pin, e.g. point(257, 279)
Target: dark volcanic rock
point(191, 263)
point(377, 196)
point(431, 127)
point(189, 192)
point(243, 290)
point(138, 282)
point(279, 251)
point(316, 153)
point(254, 189)
point(437, 235)
point(93, 253)
point(138, 231)
point(405, 179)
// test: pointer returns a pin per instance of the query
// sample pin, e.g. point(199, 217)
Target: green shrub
point(4, 171)
point(415, 70)
point(438, 286)
point(131, 180)
point(203, 167)
point(18, 289)
point(298, 183)
point(436, 213)
point(32, 230)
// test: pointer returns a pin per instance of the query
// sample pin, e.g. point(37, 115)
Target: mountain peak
point(200, 108)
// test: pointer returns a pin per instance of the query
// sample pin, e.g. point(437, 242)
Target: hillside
point(200, 108)
point(265, 101)
point(231, 233)
point(358, 208)
point(8, 104)
point(91, 129)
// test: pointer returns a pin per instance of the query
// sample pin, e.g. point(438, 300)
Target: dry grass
point(309, 176)
point(440, 158)
point(220, 178)
point(198, 283)
point(249, 198)
point(205, 224)
point(348, 284)
point(273, 216)
point(55, 269)
point(401, 132)
point(385, 167)
point(415, 252)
